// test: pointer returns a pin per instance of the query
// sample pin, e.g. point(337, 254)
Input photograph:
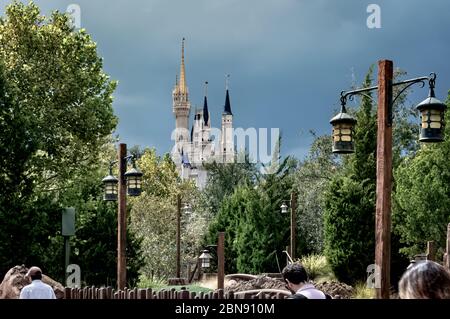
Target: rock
point(337, 290)
point(15, 280)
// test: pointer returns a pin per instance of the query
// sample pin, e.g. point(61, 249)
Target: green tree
point(153, 216)
point(311, 179)
point(61, 91)
point(421, 197)
point(223, 179)
point(56, 113)
point(255, 230)
point(350, 202)
point(350, 197)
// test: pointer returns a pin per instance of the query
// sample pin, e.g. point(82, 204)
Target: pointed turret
point(227, 142)
point(205, 106)
point(227, 108)
point(182, 84)
point(181, 106)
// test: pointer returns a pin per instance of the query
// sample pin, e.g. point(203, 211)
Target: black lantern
point(205, 257)
point(432, 113)
point(111, 190)
point(133, 177)
point(284, 208)
point(343, 130)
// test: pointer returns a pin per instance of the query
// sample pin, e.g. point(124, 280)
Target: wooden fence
point(110, 293)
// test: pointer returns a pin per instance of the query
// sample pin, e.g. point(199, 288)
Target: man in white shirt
point(37, 289)
point(296, 279)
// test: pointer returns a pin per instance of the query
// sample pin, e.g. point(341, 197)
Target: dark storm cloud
point(288, 59)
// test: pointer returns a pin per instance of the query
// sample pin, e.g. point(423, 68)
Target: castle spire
point(182, 84)
point(227, 108)
point(205, 105)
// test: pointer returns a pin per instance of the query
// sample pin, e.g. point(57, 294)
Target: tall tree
point(421, 197)
point(350, 201)
point(256, 232)
point(312, 178)
point(350, 197)
point(154, 219)
point(56, 113)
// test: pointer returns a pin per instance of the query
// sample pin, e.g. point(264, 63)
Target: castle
point(194, 147)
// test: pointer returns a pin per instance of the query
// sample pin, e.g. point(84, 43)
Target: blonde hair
point(425, 280)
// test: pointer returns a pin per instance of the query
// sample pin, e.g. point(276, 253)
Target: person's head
point(294, 275)
point(425, 280)
point(35, 273)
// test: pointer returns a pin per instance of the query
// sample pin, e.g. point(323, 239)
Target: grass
point(154, 283)
point(318, 268)
point(363, 292)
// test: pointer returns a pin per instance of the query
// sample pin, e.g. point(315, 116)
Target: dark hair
point(36, 276)
point(425, 280)
point(295, 273)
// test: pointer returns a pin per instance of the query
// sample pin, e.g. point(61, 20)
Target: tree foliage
point(311, 179)
point(256, 232)
point(154, 216)
point(422, 204)
point(56, 113)
point(350, 197)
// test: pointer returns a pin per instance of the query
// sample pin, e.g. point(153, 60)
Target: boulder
point(15, 279)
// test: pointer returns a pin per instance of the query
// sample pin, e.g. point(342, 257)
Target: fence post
point(184, 294)
point(67, 292)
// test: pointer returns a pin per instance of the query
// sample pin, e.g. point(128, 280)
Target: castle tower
point(181, 108)
point(206, 129)
point(227, 140)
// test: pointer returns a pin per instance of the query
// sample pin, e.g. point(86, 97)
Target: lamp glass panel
point(346, 138)
point(435, 117)
point(346, 131)
point(435, 125)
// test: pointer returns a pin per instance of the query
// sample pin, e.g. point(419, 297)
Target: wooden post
point(293, 223)
point(447, 249)
point(431, 251)
point(221, 261)
point(121, 219)
point(384, 178)
point(67, 293)
point(178, 275)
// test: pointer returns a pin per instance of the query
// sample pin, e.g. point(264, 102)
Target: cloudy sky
point(288, 59)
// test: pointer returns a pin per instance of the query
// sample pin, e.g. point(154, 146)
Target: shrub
point(317, 267)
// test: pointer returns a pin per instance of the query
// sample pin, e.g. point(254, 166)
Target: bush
point(363, 292)
point(154, 282)
point(317, 267)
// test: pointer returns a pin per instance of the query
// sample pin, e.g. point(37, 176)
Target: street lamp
point(110, 183)
point(432, 130)
point(115, 189)
point(343, 131)
point(205, 259)
point(284, 209)
point(133, 177)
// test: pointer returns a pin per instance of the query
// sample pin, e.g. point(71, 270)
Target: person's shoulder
point(297, 296)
